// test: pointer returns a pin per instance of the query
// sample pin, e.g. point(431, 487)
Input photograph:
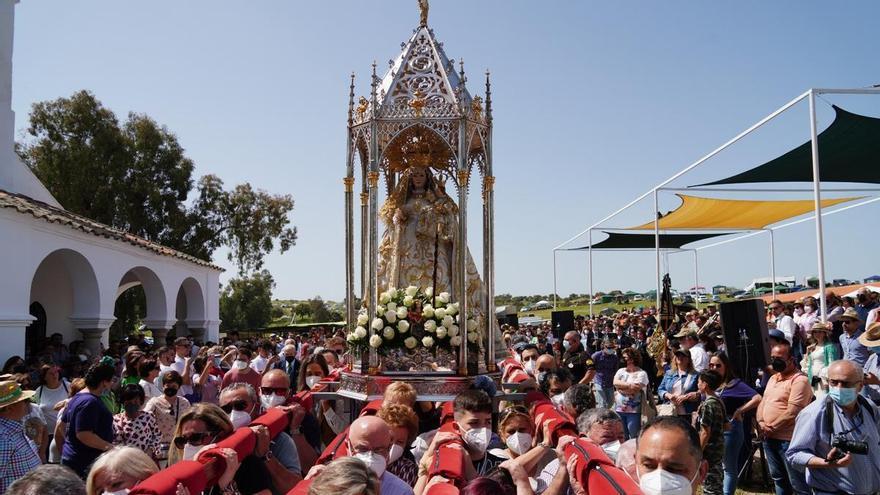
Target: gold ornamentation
point(423, 12)
point(477, 107)
point(463, 177)
point(418, 146)
point(349, 183)
point(363, 104)
point(365, 198)
point(373, 179)
point(418, 103)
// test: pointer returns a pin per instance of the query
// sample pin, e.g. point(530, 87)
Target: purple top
point(606, 366)
point(735, 395)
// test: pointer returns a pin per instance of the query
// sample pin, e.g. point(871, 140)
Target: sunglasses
point(238, 405)
point(276, 390)
point(195, 439)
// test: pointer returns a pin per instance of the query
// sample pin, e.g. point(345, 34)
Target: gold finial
point(477, 107)
point(423, 12)
point(362, 107)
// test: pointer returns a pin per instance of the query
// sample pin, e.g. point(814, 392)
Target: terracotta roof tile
point(52, 214)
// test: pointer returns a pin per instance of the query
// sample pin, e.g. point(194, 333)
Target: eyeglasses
point(275, 390)
point(195, 439)
point(512, 410)
point(238, 405)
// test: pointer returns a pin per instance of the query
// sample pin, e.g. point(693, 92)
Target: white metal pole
point(590, 267)
point(554, 280)
point(817, 200)
point(772, 262)
point(697, 279)
point(657, 249)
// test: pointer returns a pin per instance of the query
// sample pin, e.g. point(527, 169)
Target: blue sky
point(595, 102)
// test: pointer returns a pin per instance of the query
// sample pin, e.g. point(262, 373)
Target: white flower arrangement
point(428, 341)
point(363, 319)
point(441, 332)
point(389, 333)
point(455, 341)
point(410, 342)
point(375, 341)
point(440, 313)
point(377, 324)
point(428, 311)
point(402, 313)
point(411, 291)
point(360, 332)
point(431, 326)
point(448, 321)
point(403, 326)
point(408, 301)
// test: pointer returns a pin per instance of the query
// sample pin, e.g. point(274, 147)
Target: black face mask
point(170, 391)
point(778, 365)
point(289, 359)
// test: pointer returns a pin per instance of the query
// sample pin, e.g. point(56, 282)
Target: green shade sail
point(849, 151)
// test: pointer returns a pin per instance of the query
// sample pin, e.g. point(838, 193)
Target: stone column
point(197, 330)
point(160, 329)
point(94, 331)
point(12, 333)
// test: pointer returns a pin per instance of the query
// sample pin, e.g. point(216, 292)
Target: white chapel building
point(61, 272)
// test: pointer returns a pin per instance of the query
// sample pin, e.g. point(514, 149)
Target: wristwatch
point(265, 457)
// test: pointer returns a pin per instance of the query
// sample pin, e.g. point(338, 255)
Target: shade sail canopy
point(849, 151)
point(715, 213)
point(646, 241)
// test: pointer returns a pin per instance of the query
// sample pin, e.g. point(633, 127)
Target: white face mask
point(239, 364)
point(271, 400)
point(557, 399)
point(394, 453)
point(662, 482)
point(373, 461)
point(123, 491)
point(312, 380)
point(519, 442)
point(189, 451)
point(239, 419)
point(478, 439)
point(611, 449)
point(530, 367)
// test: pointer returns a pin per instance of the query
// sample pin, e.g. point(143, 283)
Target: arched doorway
point(35, 333)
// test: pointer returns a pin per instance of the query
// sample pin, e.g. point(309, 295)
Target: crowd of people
point(666, 409)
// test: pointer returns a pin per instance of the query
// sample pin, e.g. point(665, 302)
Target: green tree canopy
point(246, 302)
point(135, 176)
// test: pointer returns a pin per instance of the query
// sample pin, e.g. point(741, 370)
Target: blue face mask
point(875, 350)
point(842, 396)
point(566, 344)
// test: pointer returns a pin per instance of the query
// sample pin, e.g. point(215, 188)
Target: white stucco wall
point(80, 283)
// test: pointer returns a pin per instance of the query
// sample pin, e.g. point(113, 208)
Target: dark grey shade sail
point(617, 240)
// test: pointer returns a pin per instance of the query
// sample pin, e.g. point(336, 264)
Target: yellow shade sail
point(714, 213)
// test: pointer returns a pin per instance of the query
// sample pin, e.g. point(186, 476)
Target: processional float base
point(430, 386)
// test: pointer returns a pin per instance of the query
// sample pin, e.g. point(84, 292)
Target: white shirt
point(46, 398)
point(785, 324)
point(179, 365)
point(699, 357)
point(258, 363)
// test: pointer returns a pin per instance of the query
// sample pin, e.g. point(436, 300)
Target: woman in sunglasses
point(200, 428)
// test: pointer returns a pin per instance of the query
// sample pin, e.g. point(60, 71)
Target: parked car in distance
point(716, 298)
point(638, 297)
point(524, 309)
point(687, 299)
point(742, 295)
point(703, 298)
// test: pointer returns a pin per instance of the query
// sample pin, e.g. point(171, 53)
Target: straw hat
point(11, 393)
point(850, 314)
point(871, 337)
point(820, 327)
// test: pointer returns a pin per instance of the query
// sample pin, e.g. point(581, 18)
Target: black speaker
point(512, 320)
point(745, 334)
point(561, 322)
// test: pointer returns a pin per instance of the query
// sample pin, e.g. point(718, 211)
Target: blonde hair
point(117, 462)
point(346, 476)
point(214, 418)
point(397, 415)
point(400, 393)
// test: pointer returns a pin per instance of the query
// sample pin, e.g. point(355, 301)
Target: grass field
point(584, 309)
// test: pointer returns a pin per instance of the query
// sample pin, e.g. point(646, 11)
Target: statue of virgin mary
point(417, 213)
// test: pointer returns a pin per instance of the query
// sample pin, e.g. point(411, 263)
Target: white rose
point(452, 309)
point(444, 296)
point(429, 291)
point(403, 326)
point(455, 341)
point(351, 337)
point(401, 313)
point(440, 313)
point(375, 341)
point(448, 321)
point(411, 291)
point(430, 326)
point(377, 324)
point(428, 341)
point(363, 319)
point(388, 333)
point(410, 342)
point(384, 298)
point(381, 309)
point(428, 311)
point(392, 306)
point(472, 337)
point(360, 332)
point(408, 301)
point(453, 330)
point(390, 316)
point(471, 325)
point(441, 332)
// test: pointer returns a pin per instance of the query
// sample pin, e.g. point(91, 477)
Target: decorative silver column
point(349, 216)
point(373, 233)
point(492, 335)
